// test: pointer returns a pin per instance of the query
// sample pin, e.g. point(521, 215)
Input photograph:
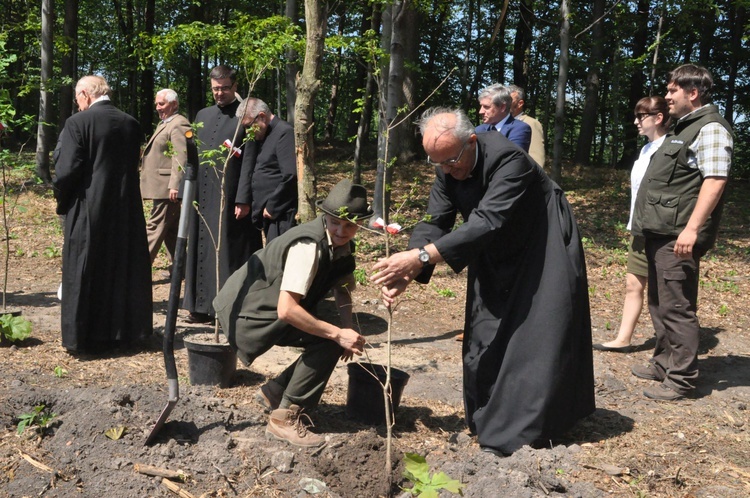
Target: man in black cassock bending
point(528, 367)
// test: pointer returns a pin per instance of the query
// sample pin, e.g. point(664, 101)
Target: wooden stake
point(35, 463)
point(159, 472)
point(174, 488)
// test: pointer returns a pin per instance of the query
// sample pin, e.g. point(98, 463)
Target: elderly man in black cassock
point(106, 269)
point(239, 238)
point(528, 367)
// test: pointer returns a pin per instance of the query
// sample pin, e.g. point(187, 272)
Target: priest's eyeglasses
point(449, 162)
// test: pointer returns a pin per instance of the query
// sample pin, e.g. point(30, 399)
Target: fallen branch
point(35, 463)
point(174, 488)
point(148, 470)
point(321, 448)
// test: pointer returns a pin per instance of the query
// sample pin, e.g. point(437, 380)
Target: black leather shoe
point(197, 317)
point(611, 349)
point(498, 453)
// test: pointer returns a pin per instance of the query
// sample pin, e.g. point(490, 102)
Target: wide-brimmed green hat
point(347, 201)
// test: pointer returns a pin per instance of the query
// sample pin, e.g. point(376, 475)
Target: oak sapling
point(424, 484)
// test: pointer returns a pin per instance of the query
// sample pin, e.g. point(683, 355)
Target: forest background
point(350, 70)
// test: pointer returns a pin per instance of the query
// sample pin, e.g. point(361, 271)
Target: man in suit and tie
point(274, 179)
point(536, 149)
point(162, 164)
point(494, 107)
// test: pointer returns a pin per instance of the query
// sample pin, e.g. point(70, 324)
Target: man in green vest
point(270, 301)
point(678, 209)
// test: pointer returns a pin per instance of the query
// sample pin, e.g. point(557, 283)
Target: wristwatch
point(424, 257)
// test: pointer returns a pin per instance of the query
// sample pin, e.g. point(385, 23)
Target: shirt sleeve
point(300, 267)
point(711, 152)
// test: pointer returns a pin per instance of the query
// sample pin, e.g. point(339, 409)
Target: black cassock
point(528, 364)
point(239, 239)
point(106, 288)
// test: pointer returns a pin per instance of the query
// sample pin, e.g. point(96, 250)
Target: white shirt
point(639, 171)
point(499, 124)
point(301, 264)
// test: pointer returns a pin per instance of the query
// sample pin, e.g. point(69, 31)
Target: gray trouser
point(306, 378)
point(672, 301)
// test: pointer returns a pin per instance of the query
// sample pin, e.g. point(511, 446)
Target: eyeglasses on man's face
point(449, 162)
point(223, 88)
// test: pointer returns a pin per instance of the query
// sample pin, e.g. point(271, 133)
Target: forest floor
point(215, 438)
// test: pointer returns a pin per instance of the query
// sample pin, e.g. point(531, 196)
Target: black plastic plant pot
point(209, 363)
point(364, 397)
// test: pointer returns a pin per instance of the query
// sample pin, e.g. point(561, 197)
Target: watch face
point(424, 256)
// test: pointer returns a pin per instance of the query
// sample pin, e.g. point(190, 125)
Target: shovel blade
point(160, 422)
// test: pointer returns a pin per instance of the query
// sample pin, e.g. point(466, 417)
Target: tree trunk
point(408, 145)
point(68, 61)
point(43, 137)
point(333, 102)
point(387, 143)
point(737, 21)
point(468, 96)
point(522, 44)
point(361, 73)
point(363, 128)
point(640, 45)
point(593, 83)
point(292, 68)
point(382, 103)
point(307, 87)
point(562, 81)
point(491, 55)
point(146, 115)
point(196, 90)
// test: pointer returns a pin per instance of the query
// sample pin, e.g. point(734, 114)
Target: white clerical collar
point(100, 99)
point(230, 103)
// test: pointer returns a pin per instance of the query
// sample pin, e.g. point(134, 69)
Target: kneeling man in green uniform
point(268, 302)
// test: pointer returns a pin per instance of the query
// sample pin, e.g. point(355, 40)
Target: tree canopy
point(619, 51)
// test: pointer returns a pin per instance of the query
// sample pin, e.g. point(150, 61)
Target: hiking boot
point(648, 372)
point(286, 424)
point(662, 392)
point(269, 395)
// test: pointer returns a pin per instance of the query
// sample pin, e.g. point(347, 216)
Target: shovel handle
point(178, 268)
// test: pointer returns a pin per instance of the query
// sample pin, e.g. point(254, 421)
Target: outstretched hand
point(389, 293)
point(396, 267)
point(352, 342)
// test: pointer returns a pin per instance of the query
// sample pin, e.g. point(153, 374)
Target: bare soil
point(216, 437)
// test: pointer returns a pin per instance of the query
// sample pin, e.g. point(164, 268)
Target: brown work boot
point(662, 392)
point(648, 372)
point(269, 395)
point(286, 424)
